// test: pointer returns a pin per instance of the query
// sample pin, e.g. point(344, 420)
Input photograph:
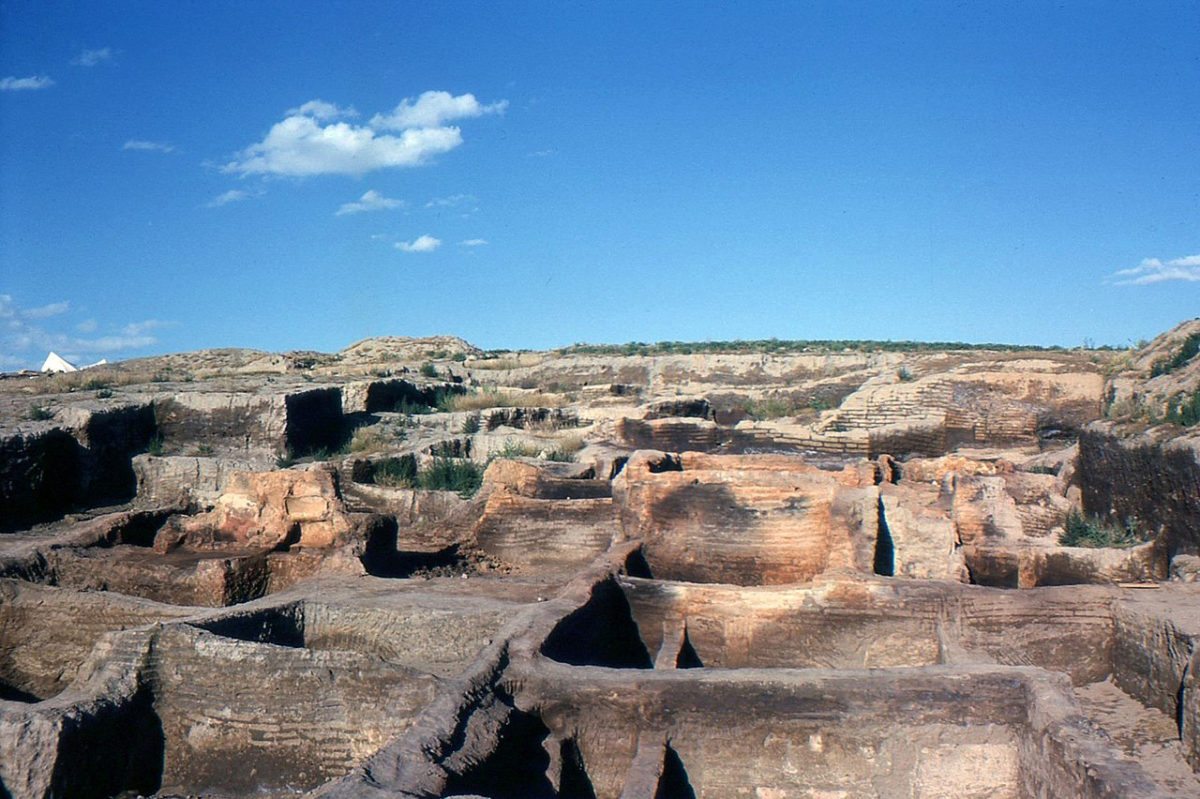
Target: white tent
point(56, 363)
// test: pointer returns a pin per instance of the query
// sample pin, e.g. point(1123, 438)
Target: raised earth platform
point(413, 569)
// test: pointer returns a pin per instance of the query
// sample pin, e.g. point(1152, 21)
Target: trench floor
point(1146, 735)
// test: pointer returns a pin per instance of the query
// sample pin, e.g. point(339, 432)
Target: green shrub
point(39, 414)
point(904, 375)
point(397, 472)
point(1091, 531)
point(471, 425)
point(428, 370)
point(155, 445)
point(452, 474)
point(104, 393)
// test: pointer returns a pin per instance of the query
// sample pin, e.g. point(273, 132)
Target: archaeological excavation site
point(776, 570)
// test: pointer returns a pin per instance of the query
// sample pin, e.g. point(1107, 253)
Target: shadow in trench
point(674, 782)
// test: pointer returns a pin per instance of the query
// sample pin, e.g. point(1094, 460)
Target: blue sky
point(178, 176)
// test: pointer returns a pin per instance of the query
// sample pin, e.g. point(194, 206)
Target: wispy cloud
point(231, 196)
point(90, 58)
point(473, 242)
point(154, 146)
point(433, 109)
point(1152, 270)
point(370, 201)
point(142, 328)
point(26, 337)
point(46, 311)
point(542, 153)
point(420, 244)
point(452, 201)
point(12, 84)
point(308, 142)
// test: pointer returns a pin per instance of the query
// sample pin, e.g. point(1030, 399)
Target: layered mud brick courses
point(797, 574)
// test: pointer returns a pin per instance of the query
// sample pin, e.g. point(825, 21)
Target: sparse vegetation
point(515, 449)
point(1082, 530)
point(104, 393)
point(375, 438)
point(155, 445)
point(495, 398)
point(411, 408)
point(39, 414)
point(781, 346)
point(566, 450)
point(904, 375)
point(1184, 410)
point(470, 425)
point(770, 408)
point(428, 370)
point(1189, 349)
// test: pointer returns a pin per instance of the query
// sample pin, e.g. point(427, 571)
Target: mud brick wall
point(730, 627)
point(851, 625)
point(859, 734)
point(672, 435)
point(441, 637)
point(239, 716)
point(546, 533)
point(46, 633)
point(768, 521)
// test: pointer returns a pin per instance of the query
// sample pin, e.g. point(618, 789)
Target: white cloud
point(300, 146)
point(309, 142)
point(25, 339)
point(11, 84)
point(420, 244)
point(1152, 270)
point(542, 153)
point(370, 201)
point(433, 109)
point(321, 110)
point(90, 58)
point(473, 242)
point(231, 196)
point(141, 144)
